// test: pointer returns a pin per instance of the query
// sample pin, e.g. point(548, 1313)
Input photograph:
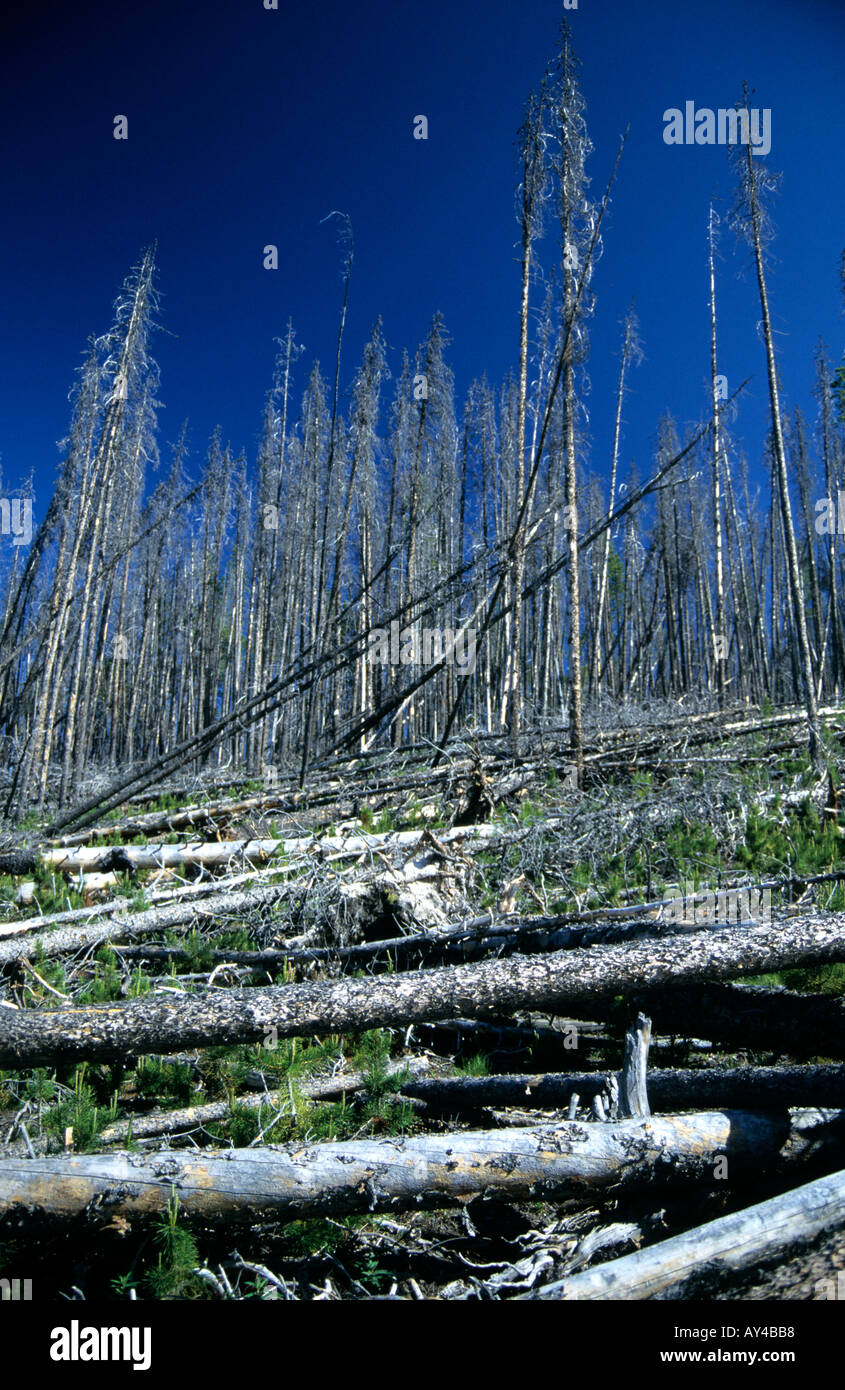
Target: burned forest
point(421, 833)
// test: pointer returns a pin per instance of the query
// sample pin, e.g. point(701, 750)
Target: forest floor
point(384, 857)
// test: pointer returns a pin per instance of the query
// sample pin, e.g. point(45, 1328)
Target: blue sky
point(248, 126)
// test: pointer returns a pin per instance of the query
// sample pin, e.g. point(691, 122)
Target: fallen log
point(322, 1088)
point(19, 861)
point(345, 796)
point(569, 1160)
point(118, 925)
point(221, 853)
point(746, 1239)
point(769, 1020)
point(669, 1090)
point(722, 730)
point(542, 1047)
point(469, 940)
point(559, 982)
point(549, 1048)
point(186, 892)
point(442, 942)
point(166, 822)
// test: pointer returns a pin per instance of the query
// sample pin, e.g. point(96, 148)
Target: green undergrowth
point(286, 1068)
point(52, 893)
point(777, 841)
point(803, 842)
point(80, 1113)
point(476, 1065)
point(87, 1097)
point(381, 825)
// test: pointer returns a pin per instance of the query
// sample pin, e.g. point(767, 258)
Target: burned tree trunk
point(571, 1160)
point(561, 981)
point(801, 1025)
point(121, 925)
point(746, 1239)
point(669, 1090)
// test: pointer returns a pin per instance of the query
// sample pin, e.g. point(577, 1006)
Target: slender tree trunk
point(816, 747)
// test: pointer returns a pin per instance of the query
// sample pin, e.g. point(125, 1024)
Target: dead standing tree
point(631, 354)
point(532, 197)
point(323, 617)
point(578, 221)
point(751, 222)
point(112, 424)
point(720, 643)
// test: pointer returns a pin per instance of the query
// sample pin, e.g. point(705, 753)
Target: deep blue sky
point(248, 126)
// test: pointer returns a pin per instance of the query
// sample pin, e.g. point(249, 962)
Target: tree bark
point(563, 980)
point(720, 645)
point(745, 1239)
point(225, 852)
point(800, 1025)
point(633, 1097)
point(570, 1160)
point(793, 567)
point(669, 1090)
point(129, 924)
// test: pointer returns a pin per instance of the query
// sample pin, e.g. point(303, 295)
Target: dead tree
point(696, 1262)
point(751, 220)
point(561, 981)
point(571, 1160)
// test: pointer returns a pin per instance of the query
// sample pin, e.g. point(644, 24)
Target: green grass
point(107, 981)
point(165, 1082)
point(80, 1113)
point(474, 1066)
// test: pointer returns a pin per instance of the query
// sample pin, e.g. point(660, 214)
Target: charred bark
point(669, 1090)
point(797, 1025)
point(570, 1160)
point(561, 982)
point(753, 1237)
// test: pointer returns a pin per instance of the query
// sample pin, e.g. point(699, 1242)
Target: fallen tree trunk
point(687, 1263)
point(542, 1047)
point(221, 853)
point(166, 822)
point(129, 924)
point(550, 1048)
point(745, 1088)
point(321, 1088)
point(470, 940)
point(724, 729)
point(559, 982)
point(568, 1160)
point(337, 795)
point(186, 892)
point(800, 1025)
